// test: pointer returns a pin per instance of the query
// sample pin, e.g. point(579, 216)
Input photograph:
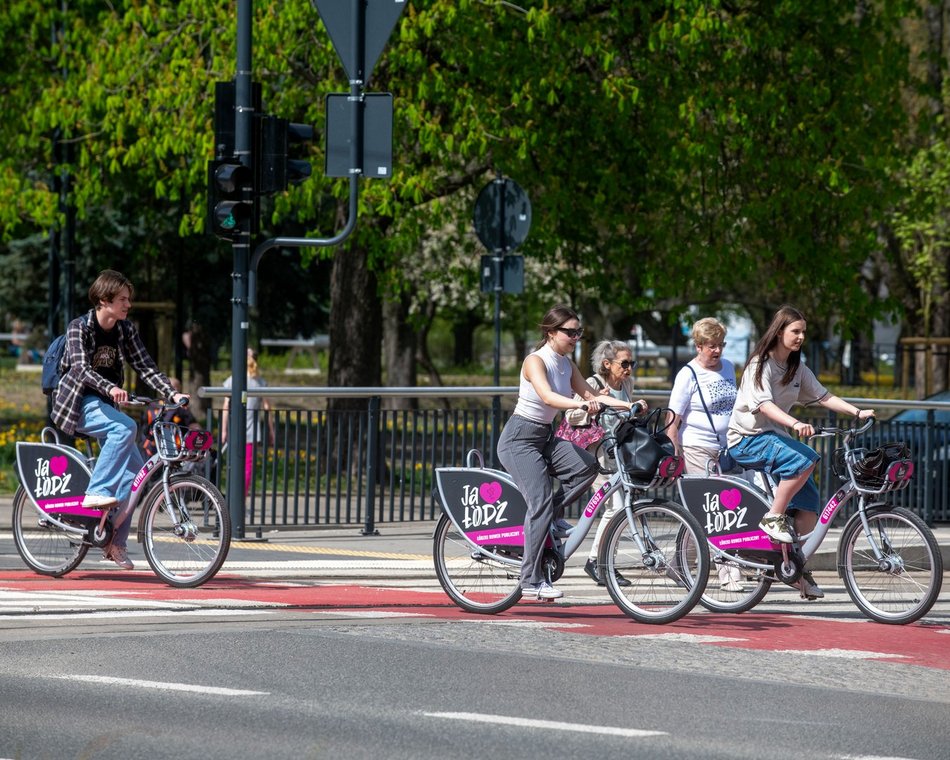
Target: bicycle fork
point(183, 526)
point(653, 556)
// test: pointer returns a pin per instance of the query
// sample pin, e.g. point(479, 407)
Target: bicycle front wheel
point(905, 583)
point(647, 552)
point(186, 540)
point(474, 581)
point(44, 547)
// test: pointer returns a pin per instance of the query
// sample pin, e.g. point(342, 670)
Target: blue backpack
point(53, 363)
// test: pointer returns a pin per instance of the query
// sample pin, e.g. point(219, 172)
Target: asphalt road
point(306, 685)
point(330, 644)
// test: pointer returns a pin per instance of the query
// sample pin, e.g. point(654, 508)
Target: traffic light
point(276, 171)
point(231, 201)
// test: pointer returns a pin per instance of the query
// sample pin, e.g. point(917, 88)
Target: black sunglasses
point(572, 332)
point(625, 364)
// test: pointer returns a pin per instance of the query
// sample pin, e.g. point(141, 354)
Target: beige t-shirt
point(748, 420)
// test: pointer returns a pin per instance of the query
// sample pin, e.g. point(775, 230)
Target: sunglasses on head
point(572, 332)
point(626, 364)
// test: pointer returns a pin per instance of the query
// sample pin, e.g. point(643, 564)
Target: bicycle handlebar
point(632, 412)
point(825, 432)
point(134, 400)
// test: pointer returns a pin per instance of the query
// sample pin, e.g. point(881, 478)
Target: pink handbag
point(584, 436)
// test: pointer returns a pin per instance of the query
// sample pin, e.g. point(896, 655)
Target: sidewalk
point(399, 550)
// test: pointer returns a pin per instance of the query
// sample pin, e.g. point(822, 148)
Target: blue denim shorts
point(784, 458)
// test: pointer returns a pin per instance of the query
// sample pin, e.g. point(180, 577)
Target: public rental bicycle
point(479, 539)
point(184, 526)
point(887, 557)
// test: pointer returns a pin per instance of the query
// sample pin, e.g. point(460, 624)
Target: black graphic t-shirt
point(105, 359)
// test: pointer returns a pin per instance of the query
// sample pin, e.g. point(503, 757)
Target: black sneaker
point(590, 567)
point(808, 588)
point(621, 581)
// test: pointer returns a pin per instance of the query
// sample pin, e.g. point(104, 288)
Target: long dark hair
point(782, 319)
point(556, 316)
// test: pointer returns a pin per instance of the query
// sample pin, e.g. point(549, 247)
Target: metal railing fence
point(377, 465)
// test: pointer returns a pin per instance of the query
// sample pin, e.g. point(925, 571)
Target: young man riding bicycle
point(85, 401)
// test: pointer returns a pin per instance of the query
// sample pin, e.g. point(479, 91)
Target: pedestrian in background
point(254, 421)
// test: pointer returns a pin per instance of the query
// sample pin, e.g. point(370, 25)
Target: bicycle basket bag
point(642, 445)
point(870, 467)
point(870, 470)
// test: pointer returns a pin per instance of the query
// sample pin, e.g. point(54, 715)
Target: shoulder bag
point(643, 444)
point(726, 462)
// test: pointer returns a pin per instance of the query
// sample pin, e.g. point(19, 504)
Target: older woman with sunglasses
point(613, 364)
point(550, 382)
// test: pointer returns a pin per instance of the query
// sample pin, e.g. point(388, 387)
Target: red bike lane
point(922, 644)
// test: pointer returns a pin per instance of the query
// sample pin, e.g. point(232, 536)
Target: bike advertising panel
point(484, 504)
point(54, 477)
point(729, 510)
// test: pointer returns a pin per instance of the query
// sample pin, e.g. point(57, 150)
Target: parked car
point(920, 415)
point(929, 494)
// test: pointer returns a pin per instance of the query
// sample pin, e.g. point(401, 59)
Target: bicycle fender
point(728, 509)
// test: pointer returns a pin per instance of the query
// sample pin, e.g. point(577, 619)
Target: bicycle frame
point(727, 506)
point(488, 509)
point(729, 509)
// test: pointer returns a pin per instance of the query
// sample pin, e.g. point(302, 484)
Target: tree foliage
point(676, 152)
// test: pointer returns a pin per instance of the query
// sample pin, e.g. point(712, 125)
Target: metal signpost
point(242, 172)
point(502, 221)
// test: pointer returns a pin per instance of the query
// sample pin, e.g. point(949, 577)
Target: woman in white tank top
point(529, 450)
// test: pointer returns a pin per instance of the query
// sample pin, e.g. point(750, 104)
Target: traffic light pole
point(237, 428)
point(297, 242)
point(356, 99)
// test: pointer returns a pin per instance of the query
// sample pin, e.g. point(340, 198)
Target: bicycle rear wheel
point(186, 541)
point(647, 552)
point(730, 587)
point(473, 581)
point(44, 547)
point(905, 584)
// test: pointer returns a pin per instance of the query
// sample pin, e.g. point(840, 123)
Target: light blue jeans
point(783, 457)
point(119, 459)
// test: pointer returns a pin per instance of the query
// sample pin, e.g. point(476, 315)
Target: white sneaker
point(543, 590)
point(97, 501)
point(776, 528)
point(730, 579)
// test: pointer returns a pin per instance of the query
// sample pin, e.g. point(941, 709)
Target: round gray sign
point(502, 215)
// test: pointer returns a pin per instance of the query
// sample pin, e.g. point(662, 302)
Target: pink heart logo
point(730, 498)
point(58, 465)
point(490, 492)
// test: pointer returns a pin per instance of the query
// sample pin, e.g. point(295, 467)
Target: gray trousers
point(531, 454)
